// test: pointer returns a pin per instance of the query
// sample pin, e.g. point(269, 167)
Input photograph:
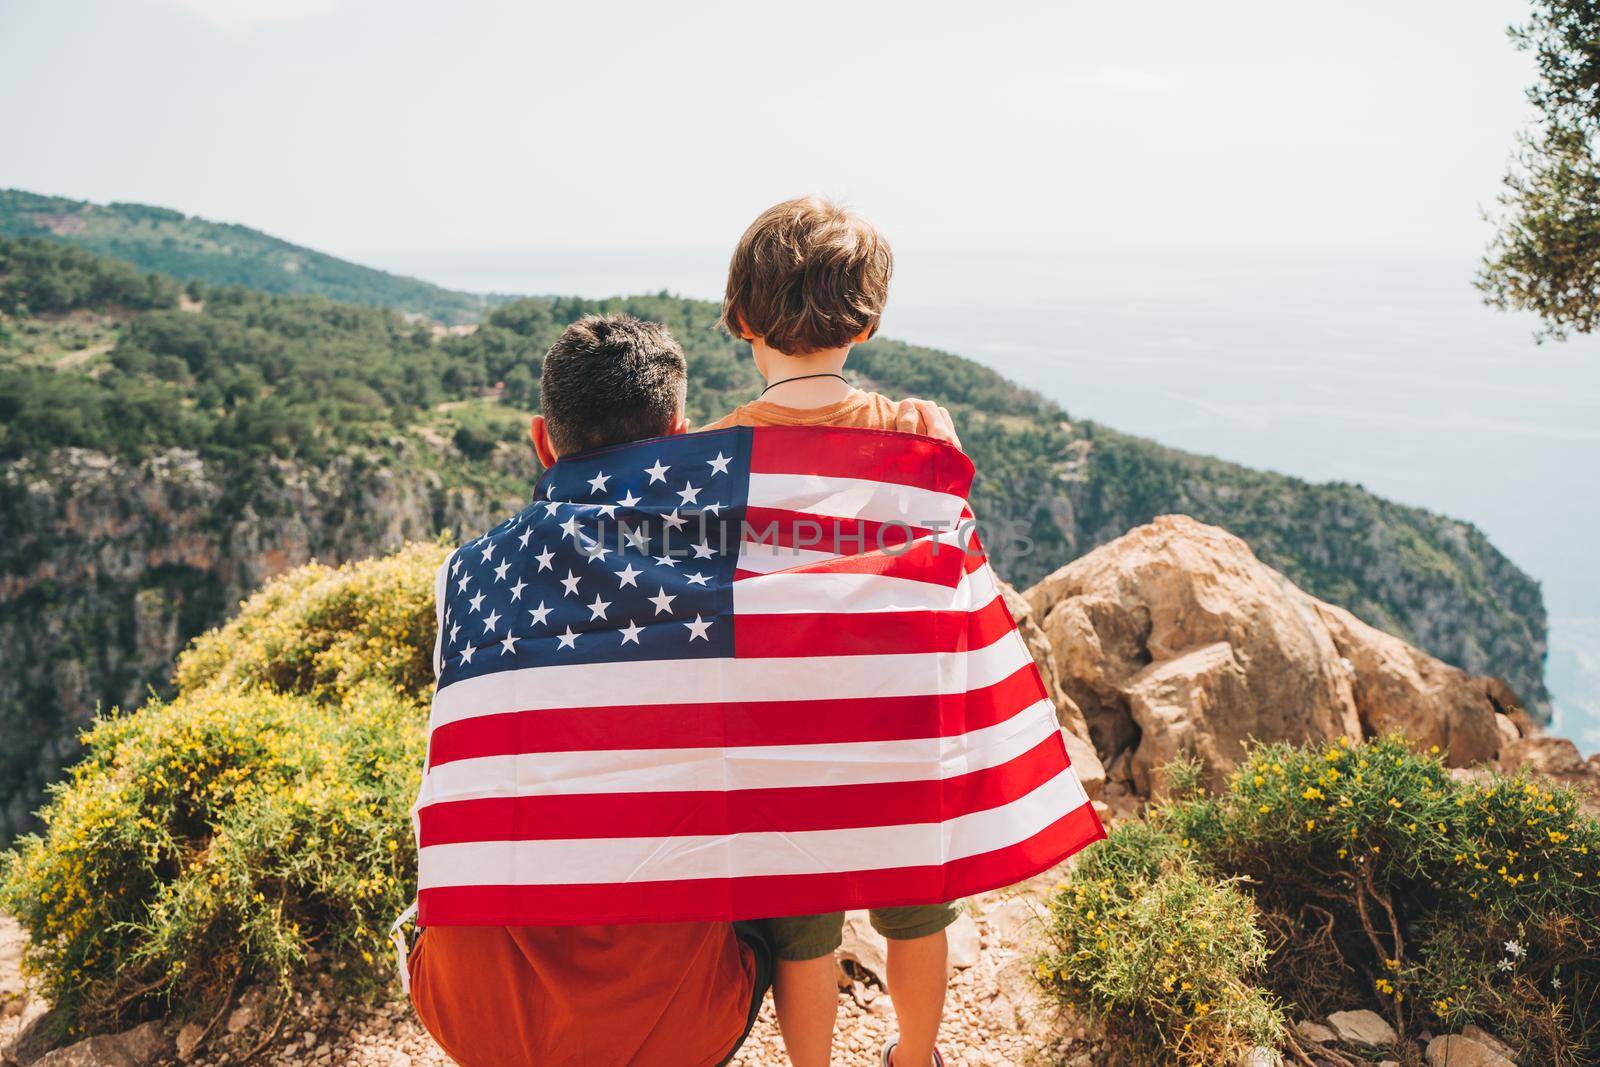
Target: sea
point(1375, 365)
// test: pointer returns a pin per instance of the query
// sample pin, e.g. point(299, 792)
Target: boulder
point(1456, 1050)
point(1074, 730)
point(1176, 640)
point(143, 1045)
point(1362, 1028)
point(964, 942)
point(1400, 688)
point(863, 948)
point(1550, 756)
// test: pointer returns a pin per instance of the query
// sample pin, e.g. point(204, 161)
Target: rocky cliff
point(112, 565)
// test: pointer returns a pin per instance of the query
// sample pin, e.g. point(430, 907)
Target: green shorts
point(805, 937)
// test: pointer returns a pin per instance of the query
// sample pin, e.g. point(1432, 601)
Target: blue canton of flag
point(626, 553)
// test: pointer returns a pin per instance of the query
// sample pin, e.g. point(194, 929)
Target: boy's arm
point(927, 418)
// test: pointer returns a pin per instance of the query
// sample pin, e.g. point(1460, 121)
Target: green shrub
point(1380, 879)
point(215, 838)
point(1160, 952)
point(323, 631)
point(261, 814)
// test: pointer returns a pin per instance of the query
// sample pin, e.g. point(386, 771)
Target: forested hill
point(185, 247)
point(162, 452)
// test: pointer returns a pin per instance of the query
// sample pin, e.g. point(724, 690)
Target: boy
point(664, 993)
point(808, 280)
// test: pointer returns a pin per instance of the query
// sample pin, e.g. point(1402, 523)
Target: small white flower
point(1514, 948)
point(1507, 965)
point(1555, 982)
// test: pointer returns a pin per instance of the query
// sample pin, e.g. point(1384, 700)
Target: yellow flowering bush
point(324, 630)
point(1160, 952)
point(259, 816)
point(1382, 878)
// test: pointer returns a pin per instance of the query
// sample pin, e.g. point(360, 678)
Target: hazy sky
point(369, 129)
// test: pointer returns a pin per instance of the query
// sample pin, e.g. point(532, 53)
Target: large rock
point(1074, 730)
point(139, 1047)
point(1175, 640)
point(1400, 688)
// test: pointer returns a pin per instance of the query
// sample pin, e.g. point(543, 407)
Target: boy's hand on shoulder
point(925, 417)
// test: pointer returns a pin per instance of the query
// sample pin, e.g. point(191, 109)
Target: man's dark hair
point(609, 379)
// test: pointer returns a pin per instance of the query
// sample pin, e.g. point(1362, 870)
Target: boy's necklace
point(803, 377)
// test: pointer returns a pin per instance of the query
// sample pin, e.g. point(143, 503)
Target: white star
point(477, 602)
point(461, 586)
point(688, 493)
point(453, 631)
point(571, 584)
point(662, 601)
point(508, 645)
point(720, 464)
point(597, 610)
point(568, 640)
point(490, 620)
point(466, 654)
point(595, 550)
point(637, 538)
point(544, 558)
point(607, 510)
point(715, 509)
point(658, 473)
point(551, 507)
point(674, 520)
point(702, 550)
point(696, 579)
point(516, 590)
point(570, 527)
point(488, 550)
point(631, 632)
point(665, 561)
point(597, 484)
point(628, 500)
point(539, 613)
point(500, 571)
point(698, 628)
point(627, 575)
point(522, 542)
point(455, 566)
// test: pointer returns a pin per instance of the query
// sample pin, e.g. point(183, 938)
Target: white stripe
point(749, 767)
point(856, 498)
point(699, 681)
point(765, 558)
point(602, 860)
point(805, 592)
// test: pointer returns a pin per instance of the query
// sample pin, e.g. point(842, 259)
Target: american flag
point(735, 674)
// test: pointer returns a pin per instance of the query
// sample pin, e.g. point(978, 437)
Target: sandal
point(888, 1054)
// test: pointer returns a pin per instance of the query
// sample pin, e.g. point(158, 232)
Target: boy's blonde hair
point(807, 275)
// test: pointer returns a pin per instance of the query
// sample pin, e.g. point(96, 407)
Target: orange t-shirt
point(548, 996)
point(867, 411)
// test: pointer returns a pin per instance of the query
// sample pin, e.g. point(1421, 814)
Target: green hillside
point(160, 455)
point(217, 253)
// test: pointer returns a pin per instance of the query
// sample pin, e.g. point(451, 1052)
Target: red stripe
point(740, 811)
point(870, 633)
point(876, 455)
point(768, 896)
point(928, 561)
point(735, 723)
point(825, 533)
